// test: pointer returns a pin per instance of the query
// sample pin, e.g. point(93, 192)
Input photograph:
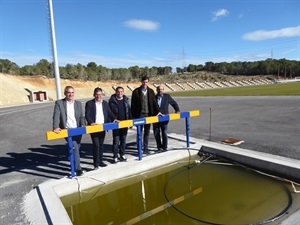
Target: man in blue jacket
point(161, 129)
point(97, 111)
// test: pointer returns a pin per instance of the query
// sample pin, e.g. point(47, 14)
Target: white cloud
point(219, 13)
point(289, 51)
point(261, 35)
point(147, 25)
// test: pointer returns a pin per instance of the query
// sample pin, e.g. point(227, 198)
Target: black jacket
point(90, 112)
point(115, 109)
point(136, 102)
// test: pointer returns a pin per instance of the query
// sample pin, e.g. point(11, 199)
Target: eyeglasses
point(70, 92)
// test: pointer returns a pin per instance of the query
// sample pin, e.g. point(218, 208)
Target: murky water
point(199, 194)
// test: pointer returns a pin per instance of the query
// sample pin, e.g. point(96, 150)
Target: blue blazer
point(165, 102)
point(90, 112)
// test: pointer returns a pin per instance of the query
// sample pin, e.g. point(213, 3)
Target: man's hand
point(57, 130)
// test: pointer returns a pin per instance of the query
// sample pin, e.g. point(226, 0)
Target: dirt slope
point(13, 88)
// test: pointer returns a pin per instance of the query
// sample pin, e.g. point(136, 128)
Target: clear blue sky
point(124, 33)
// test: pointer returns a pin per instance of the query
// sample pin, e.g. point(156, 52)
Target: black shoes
point(115, 160)
point(146, 152)
point(80, 172)
point(123, 158)
point(102, 164)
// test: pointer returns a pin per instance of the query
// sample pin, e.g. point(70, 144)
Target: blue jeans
point(162, 128)
point(98, 140)
point(119, 141)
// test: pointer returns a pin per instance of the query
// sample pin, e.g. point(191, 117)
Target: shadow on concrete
point(50, 161)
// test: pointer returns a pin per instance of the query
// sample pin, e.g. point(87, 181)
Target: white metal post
point(54, 52)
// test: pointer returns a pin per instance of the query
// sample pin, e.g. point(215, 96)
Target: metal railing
point(70, 133)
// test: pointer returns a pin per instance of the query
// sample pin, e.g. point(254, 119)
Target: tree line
point(93, 72)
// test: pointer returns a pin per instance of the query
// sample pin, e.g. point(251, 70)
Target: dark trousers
point(76, 140)
point(119, 141)
point(161, 128)
point(98, 140)
point(146, 129)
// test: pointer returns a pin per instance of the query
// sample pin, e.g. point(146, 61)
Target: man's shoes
point(123, 158)
point(80, 172)
point(102, 164)
point(159, 150)
point(96, 168)
point(115, 160)
point(165, 150)
point(148, 152)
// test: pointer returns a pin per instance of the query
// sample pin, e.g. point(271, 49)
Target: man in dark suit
point(143, 104)
point(163, 101)
point(68, 113)
point(97, 111)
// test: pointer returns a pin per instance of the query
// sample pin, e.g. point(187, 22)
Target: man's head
point(98, 94)
point(160, 90)
point(145, 81)
point(69, 93)
point(119, 92)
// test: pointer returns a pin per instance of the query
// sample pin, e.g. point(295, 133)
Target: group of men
point(68, 113)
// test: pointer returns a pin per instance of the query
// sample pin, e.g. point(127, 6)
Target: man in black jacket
point(143, 104)
point(120, 107)
point(163, 101)
point(97, 111)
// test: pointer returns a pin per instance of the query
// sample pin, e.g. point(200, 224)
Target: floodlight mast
point(54, 52)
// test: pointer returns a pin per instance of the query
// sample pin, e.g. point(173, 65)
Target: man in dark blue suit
point(97, 111)
point(163, 101)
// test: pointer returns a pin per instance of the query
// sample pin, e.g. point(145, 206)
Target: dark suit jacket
point(60, 114)
point(136, 102)
point(165, 102)
point(90, 112)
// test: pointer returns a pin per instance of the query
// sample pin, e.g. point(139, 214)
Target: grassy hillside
point(258, 90)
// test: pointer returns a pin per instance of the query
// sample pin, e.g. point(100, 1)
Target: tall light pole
point(54, 51)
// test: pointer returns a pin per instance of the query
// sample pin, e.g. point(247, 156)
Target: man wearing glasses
point(97, 111)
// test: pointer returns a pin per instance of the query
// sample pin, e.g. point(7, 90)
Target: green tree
point(8, 67)
point(43, 67)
